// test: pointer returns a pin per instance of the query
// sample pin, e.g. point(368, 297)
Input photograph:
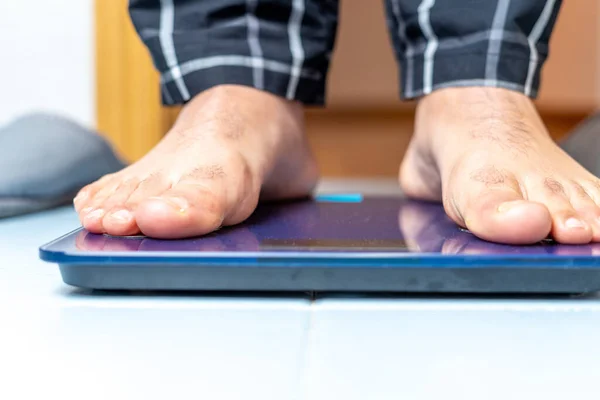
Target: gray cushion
point(583, 144)
point(45, 159)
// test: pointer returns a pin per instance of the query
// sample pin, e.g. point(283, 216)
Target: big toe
point(509, 220)
point(499, 213)
point(184, 211)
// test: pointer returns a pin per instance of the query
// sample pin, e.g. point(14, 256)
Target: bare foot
point(486, 154)
point(230, 146)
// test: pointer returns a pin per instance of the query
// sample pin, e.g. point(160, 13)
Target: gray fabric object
point(583, 144)
point(45, 159)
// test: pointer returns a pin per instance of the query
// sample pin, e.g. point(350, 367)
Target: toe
point(93, 209)
point(186, 210)
point(118, 219)
point(568, 225)
point(103, 195)
point(87, 193)
point(493, 208)
point(80, 201)
point(92, 220)
point(587, 208)
point(591, 186)
point(504, 216)
point(119, 222)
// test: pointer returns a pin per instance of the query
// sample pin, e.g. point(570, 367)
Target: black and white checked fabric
point(284, 46)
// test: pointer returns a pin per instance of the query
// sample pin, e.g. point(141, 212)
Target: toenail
point(574, 223)
point(87, 210)
point(121, 215)
point(97, 214)
point(177, 202)
point(507, 206)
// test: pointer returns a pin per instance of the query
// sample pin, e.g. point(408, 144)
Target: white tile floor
point(428, 349)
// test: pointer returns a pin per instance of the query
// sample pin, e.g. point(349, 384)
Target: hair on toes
point(213, 171)
point(554, 186)
point(489, 176)
point(595, 183)
point(592, 189)
point(578, 190)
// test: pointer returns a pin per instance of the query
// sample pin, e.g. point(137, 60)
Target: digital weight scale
point(334, 243)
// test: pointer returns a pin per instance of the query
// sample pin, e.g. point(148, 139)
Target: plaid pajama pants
point(284, 46)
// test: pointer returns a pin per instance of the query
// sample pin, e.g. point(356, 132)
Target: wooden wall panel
point(128, 104)
point(571, 77)
point(364, 72)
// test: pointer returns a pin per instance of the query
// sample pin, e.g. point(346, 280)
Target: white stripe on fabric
point(477, 82)
point(237, 61)
point(432, 43)
point(496, 39)
point(533, 38)
point(254, 44)
point(473, 38)
point(419, 45)
point(409, 52)
point(167, 20)
point(296, 49)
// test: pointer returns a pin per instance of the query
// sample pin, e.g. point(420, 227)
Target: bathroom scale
point(330, 243)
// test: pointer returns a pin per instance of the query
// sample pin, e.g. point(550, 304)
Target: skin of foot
point(230, 147)
point(487, 156)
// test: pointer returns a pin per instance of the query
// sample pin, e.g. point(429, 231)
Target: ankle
point(457, 105)
point(453, 117)
point(246, 98)
point(476, 95)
